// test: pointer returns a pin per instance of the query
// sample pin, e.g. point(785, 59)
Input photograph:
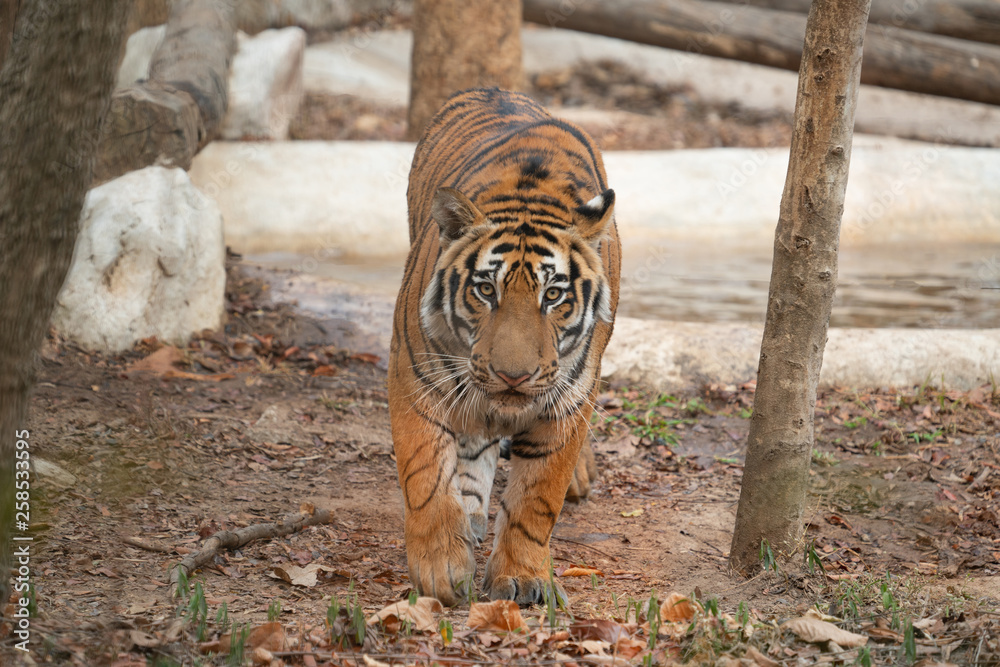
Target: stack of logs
point(941, 47)
point(168, 118)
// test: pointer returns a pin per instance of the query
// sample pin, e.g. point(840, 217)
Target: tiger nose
point(513, 379)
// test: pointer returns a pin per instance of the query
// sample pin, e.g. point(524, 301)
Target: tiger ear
point(454, 213)
point(594, 217)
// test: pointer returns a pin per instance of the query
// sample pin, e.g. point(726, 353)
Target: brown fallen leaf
point(366, 357)
point(306, 576)
point(816, 631)
point(599, 629)
point(261, 656)
point(677, 608)
point(269, 636)
point(581, 572)
point(885, 635)
point(420, 614)
point(499, 615)
point(760, 659)
point(326, 370)
point(143, 640)
point(158, 362)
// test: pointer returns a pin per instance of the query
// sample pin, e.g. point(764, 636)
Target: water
point(946, 286)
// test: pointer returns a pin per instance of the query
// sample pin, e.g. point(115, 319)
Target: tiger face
point(519, 299)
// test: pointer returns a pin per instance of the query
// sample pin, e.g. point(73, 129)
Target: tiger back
point(507, 303)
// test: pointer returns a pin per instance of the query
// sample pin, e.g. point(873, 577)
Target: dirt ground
point(268, 417)
point(638, 114)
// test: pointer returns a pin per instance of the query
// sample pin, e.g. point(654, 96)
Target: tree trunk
point(54, 89)
point(8, 12)
point(803, 281)
point(976, 20)
point(894, 58)
point(459, 45)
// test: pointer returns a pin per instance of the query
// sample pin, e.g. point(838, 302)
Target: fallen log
point(976, 20)
point(894, 58)
point(167, 119)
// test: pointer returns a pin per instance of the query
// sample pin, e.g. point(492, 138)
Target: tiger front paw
point(583, 475)
point(522, 585)
point(439, 553)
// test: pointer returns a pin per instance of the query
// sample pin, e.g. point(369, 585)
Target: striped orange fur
point(507, 303)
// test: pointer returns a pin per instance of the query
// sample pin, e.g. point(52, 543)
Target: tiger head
point(514, 301)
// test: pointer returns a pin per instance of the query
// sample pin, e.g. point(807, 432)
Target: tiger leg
point(477, 465)
point(543, 463)
point(439, 536)
point(583, 475)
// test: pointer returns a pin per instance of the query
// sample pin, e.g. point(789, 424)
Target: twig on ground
point(234, 539)
point(586, 546)
point(148, 546)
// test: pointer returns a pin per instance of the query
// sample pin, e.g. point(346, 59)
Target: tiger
point(507, 303)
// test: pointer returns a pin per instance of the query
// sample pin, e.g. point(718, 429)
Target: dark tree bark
point(459, 45)
point(54, 90)
point(8, 12)
point(976, 20)
point(894, 58)
point(803, 281)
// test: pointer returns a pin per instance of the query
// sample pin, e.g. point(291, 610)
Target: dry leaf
point(635, 512)
point(677, 608)
point(599, 629)
point(372, 662)
point(594, 646)
point(499, 615)
point(760, 659)
point(816, 631)
point(270, 636)
point(261, 656)
point(299, 576)
point(143, 640)
point(159, 362)
point(420, 614)
point(581, 572)
point(885, 635)
point(366, 357)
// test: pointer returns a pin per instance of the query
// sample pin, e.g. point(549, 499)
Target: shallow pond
point(946, 286)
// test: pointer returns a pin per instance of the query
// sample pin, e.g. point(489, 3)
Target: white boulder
point(138, 54)
point(149, 261)
point(265, 84)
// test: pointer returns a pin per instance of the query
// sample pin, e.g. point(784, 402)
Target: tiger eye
point(553, 293)
point(486, 290)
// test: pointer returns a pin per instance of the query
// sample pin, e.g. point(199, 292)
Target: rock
point(149, 261)
point(265, 85)
point(138, 54)
point(53, 475)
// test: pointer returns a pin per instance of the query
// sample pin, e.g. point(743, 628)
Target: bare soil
point(269, 416)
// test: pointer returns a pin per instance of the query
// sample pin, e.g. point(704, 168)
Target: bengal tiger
point(507, 303)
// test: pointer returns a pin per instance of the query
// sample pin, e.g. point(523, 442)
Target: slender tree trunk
point(458, 45)
point(54, 90)
point(803, 281)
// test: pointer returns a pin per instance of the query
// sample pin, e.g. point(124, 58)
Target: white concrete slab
point(349, 198)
